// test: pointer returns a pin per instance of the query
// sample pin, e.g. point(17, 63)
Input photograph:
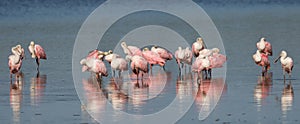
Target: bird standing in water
point(37, 52)
point(15, 61)
point(286, 63)
point(262, 60)
point(198, 46)
point(264, 46)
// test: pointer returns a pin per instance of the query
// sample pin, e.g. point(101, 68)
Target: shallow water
point(50, 97)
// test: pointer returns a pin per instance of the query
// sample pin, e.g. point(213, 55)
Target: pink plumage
point(217, 60)
point(135, 50)
point(139, 63)
point(14, 67)
point(153, 58)
point(39, 51)
point(162, 53)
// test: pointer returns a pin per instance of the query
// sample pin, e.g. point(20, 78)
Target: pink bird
point(261, 59)
point(198, 46)
point(264, 46)
point(216, 59)
point(183, 56)
point(14, 61)
point(37, 53)
point(163, 53)
point(201, 64)
point(153, 58)
point(131, 50)
point(287, 63)
point(94, 65)
point(138, 63)
point(95, 54)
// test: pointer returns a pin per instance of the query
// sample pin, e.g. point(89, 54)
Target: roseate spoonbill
point(264, 46)
point(138, 63)
point(109, 56)
point(201, 64)
point(131, 50)
point(261, 59)
point(37, 53)
point(152, 58)
point(163, 53)
point(216, 60)
point(21, 50)
point(96, 54)
point(94, 65)
point(198, 46)
point(14, 61)
point(183, 56)
point(116, 62)
point(286, 63)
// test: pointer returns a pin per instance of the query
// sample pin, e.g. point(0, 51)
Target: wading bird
point(183, 56)
point(138, 64)
point(152, 58)
point(264, 46)
point(261, 59)
point(37, 53)
point(286, 63)
point(94, 65)
point(198, 46)
point(14, 61)
point(131, 50)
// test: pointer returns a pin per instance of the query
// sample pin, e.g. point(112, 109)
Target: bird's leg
point(205, 73)
point(38, 63)
point(164, 67)
point(210, 70)
point(114, 74)
point(119, 73)
point(283, 75)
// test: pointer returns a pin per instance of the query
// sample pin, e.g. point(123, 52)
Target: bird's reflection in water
point(287, 98)
point(94, 96)
point(16, 96)
point(37, 88)
point(209, 93)
point(184, 89)
point(115, 96)
point(262, 89)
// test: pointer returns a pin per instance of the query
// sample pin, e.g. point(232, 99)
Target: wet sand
point(51, 96)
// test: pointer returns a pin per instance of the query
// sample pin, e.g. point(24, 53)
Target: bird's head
point(200, 40)
point(146, 49)
point(215, 50)
point(32, 43)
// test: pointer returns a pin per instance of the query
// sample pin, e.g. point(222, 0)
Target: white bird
point(198, 46)
point(116, 62)
point(183, 56)
point(286, 63)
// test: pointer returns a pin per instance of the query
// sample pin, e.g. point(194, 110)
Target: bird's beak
point(277, 59)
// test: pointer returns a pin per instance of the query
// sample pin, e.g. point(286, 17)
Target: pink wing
point(100, 68)
point(268, 49)
point(93, 55)
point(164, 54)
point(40, 53)
point(135, 50)
point(153, 58)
